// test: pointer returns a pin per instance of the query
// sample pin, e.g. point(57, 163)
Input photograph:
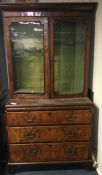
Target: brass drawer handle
point(70, 152)
point(29, 117)
point(71, 132)
point(70, 116)
point(31, 152)
point(31, 134)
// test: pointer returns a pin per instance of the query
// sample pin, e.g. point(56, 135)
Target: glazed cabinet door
point(26, 40)
point(70, 56)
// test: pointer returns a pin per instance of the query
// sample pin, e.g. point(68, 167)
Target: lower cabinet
point(41, 133)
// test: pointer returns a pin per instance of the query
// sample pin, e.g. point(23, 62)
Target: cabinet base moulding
point(34, 166)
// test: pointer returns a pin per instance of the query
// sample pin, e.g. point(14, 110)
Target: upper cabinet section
point(47, 49)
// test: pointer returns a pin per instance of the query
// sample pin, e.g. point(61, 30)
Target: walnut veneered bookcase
point(48, 51)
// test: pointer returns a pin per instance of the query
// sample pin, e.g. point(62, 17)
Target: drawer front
point(49, 133)
point(48, 152)
point(49, 117)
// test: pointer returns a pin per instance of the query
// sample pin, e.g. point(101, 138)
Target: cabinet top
point(49, 6)
point(16, 103)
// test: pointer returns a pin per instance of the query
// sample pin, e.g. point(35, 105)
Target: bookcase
point(49, 114)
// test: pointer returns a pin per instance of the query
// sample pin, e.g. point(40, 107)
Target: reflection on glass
point(27, 56)
point(69, 57)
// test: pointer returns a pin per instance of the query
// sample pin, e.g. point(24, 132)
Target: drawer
point(47, 152)
point(49, 117)
point(49, 133)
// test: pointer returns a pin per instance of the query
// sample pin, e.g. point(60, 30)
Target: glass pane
point(69, 57)
point(27, 56)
